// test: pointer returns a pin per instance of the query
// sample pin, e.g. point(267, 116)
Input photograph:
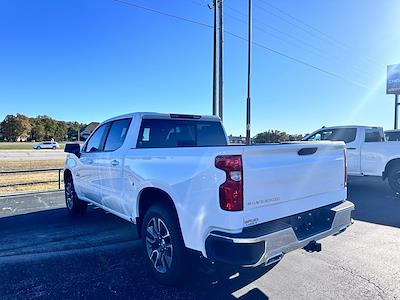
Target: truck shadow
point(49, 255)
point(374, 200)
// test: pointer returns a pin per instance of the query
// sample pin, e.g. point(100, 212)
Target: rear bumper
point(267, 243)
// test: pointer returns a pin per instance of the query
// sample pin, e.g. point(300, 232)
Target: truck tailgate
point(285, 179)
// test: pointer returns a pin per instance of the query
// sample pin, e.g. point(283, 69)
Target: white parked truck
point(176, 178)
point(368, 153)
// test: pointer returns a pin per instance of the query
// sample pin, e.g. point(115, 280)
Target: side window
point(392, 136)
point(96, 141)
point(346, 135)
point(117, 134)
point(323, 135)
point(373, 135)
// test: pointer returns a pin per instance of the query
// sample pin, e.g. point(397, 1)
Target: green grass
point(19, 146)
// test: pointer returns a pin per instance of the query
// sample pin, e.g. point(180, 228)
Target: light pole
point(248, 102)
point(220, 71)
point(214, 106)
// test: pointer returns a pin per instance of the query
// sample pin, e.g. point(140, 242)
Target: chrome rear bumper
point(267, 243)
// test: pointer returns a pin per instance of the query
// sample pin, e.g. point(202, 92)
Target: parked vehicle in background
point(176, 178)
point(368, 153)
point(392, 135)
point(46, 145)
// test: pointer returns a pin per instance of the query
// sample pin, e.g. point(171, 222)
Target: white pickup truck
point(176, 178)
point(368, 153)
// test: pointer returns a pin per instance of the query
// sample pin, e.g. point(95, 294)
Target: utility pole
point(220, 73)
point(248, 138)
point(214, 106)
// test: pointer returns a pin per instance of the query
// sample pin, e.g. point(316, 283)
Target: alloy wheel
point(159, 244)
point(69, 194)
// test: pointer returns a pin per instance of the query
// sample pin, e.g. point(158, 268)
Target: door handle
point(351, 148)
point(115, 162)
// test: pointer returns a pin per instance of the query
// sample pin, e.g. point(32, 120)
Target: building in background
point(237, 140)
point(85, 132)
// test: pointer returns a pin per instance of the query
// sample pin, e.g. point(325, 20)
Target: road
point(31, 154)
point(46, 254)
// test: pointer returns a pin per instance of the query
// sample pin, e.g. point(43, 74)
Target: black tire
point(54, 147)
point(38, 148)
point(394, 180)
point(75, 206)
point(165, 252)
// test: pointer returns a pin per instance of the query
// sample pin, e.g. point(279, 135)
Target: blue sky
point(89, 60)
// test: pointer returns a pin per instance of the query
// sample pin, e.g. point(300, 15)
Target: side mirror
point(73, 148)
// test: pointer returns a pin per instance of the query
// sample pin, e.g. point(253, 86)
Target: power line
point(314, 31)
point(164, 13)
point(299, 61)
point(173, 16)
point(296, 41)
point(302, 22)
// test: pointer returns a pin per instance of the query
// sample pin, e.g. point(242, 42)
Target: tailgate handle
point(307, 151)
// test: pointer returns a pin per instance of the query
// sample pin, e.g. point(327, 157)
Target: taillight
point(345, 168)
point(231, 191)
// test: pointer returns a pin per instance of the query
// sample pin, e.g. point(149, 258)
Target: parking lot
point(46, 254)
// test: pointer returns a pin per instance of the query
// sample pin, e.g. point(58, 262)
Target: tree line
point(275, 136)
point(22, 128)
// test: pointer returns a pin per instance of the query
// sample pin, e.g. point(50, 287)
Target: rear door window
point(373, 135)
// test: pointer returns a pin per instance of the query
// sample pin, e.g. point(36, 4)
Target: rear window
point(346, 135)
point(159, 133)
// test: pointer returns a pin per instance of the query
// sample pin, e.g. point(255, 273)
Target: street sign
point(393, 79)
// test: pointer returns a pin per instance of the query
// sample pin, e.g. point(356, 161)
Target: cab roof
point(154, 115)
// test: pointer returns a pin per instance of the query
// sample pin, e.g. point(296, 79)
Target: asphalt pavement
point(31, 154)
point(46, 254)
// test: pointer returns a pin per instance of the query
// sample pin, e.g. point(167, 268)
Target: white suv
point(46, 145)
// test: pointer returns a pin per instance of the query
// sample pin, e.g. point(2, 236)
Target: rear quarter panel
point(188, 175)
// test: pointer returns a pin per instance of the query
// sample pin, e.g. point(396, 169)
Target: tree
point(275, 136)
point(60, 131)
point(38, 132)
point(16, 127)
point(73, 128)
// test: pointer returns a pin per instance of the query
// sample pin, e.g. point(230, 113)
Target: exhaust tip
point(274, 259)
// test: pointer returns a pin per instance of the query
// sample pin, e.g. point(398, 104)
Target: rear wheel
point(54, 147)
point(394, 180)
point(38, 148)
point(74, 205)
point(163, 245)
